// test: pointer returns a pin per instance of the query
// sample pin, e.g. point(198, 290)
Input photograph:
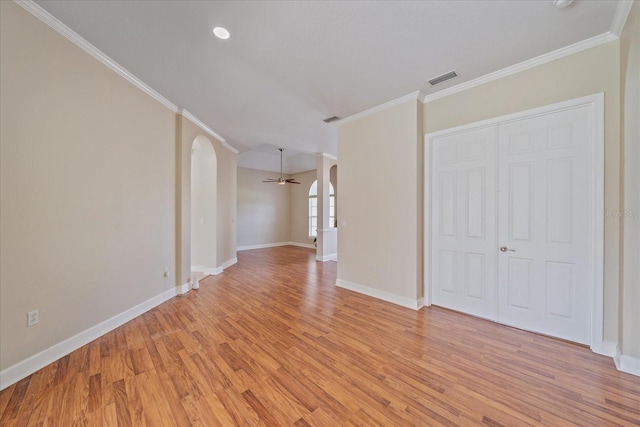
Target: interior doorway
point(203, 207)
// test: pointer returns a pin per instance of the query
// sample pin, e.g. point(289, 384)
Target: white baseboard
point(605, 348)
point(229, 263)
point(261, 246)
point(385, 296)
point(23, 369)
point(302, 245)
point(214, 270)
point(330, 257)
point(628, 364)
point(273, 245)
point(183, 289)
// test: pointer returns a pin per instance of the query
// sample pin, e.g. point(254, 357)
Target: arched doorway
point(203, 207)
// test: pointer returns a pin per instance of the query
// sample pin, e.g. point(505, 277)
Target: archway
point(203, 207)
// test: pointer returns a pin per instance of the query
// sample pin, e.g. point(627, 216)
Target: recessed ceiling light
point(221, 33)
point(561, 4)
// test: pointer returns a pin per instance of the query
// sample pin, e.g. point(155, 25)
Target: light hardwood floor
point(272, 341)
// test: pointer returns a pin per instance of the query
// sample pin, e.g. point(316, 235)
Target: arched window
point(313, 208)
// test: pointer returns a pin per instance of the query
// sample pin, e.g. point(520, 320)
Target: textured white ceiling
point(289, 64)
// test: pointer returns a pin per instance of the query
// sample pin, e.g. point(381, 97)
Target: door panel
point(463, 224)
point(545, 222)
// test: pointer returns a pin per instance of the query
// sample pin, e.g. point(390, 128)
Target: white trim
point(325, 258)
point(628, 364)
point(76, 39)
point(261, 246)
point(213, 270)
point(229, 263)
point(410, 97)
point(608, 348)
point(597, 167)
point(525, 65)
point(303, 245)
point(596, 101)
point(376, 293)
point(183, 289)
point(23, 369)
point(330, 156)
point(273, 245)
point(207, 129)
point(620, 18)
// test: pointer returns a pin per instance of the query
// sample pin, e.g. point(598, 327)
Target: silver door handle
point(505, 249)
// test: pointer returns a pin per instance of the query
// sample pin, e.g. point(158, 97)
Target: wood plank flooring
point(272, 342)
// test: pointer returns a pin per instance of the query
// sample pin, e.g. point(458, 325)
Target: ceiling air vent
point(331, 119)
point(443, 78)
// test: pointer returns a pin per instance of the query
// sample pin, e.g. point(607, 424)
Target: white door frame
point(596, 293)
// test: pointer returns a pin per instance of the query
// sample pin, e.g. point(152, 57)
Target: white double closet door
point(512, 223)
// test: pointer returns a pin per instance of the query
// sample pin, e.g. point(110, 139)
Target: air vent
point(331, 119)
point(443, 78)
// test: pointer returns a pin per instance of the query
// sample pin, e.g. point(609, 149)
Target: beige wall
point(267, 214)
point(380, 240)
point(630, 127)
point(585, 73)
point(300, 207)
point(95, 192)
point(263, 209)
point(87, 189)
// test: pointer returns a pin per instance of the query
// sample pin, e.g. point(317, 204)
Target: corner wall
point(380, 236)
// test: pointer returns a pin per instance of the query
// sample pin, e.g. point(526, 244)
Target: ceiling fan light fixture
point(281, 180)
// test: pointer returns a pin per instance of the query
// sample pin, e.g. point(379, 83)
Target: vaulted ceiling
point(290, 64)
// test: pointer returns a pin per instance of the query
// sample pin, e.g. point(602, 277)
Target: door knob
point(505, 249)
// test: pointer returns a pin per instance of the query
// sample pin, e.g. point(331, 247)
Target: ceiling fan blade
point(291, 181)
point(270, 180)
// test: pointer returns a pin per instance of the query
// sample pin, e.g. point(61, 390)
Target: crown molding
point(323, 154)
point(76, 39)
point(207, 129)
point(525, 65)
point(410, 97)
point(620, 18)
point(83, 44)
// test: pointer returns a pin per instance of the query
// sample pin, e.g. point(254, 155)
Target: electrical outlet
point(32, 317)
point(166, 272)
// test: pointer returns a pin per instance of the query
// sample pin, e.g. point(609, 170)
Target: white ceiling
point(290, 64)
point(266, 157)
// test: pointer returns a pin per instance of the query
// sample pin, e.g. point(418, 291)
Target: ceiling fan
point(281, 180)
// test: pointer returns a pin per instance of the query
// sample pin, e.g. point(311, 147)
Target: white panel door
point(544, 217)
point(464, 243)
